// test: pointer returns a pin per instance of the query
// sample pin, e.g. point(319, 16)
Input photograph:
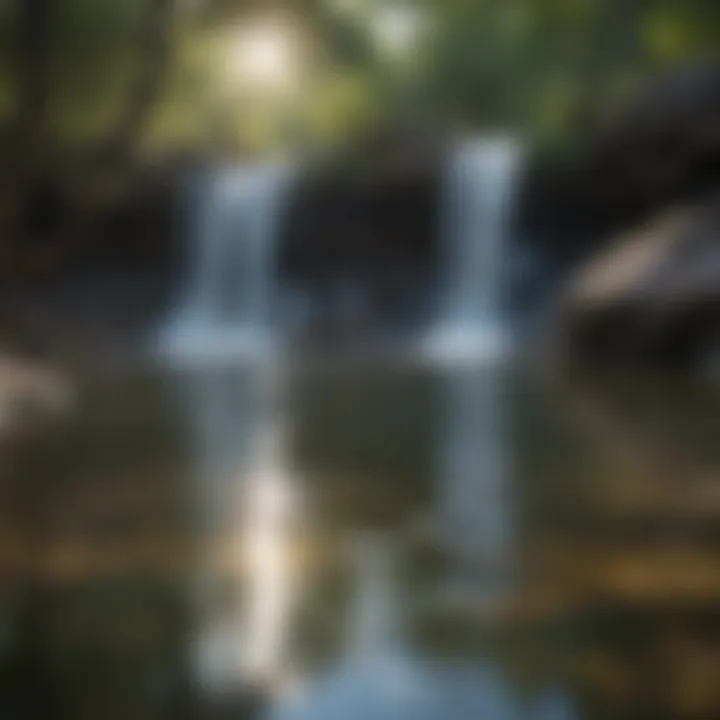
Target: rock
point(626, 270)
point(30, 392)
point(663, 145)
point(653, 297)
point(659, 149)
point(366, 226)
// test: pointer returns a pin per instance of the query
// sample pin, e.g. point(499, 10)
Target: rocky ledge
point(652, 297)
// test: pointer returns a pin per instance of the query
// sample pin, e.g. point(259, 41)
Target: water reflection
point(376, 676)
point(474, 475)
point(332, 517)
point(374, 626)
point(248, 499)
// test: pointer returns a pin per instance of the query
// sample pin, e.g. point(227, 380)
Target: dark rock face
point(664, 147)
point(367, 229)
point(107, 286)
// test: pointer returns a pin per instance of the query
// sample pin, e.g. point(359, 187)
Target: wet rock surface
point(653, 297)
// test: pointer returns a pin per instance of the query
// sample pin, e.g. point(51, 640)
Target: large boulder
point(659, 149)
point(663, 146)
point(652, 296)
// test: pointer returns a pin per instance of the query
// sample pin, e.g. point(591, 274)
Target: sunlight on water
point(250, 501)
point(269, 508)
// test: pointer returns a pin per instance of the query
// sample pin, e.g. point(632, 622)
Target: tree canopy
point(249, 76)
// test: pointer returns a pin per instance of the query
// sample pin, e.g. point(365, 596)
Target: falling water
point(478, 193)
point(230, 303)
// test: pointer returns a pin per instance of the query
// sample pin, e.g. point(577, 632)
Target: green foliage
point(539, 66)
point(545, 65)
point(95, 47)
point(93, 64)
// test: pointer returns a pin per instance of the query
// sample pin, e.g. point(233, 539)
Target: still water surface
point(363, 541)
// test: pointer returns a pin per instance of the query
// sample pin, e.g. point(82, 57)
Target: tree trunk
point(27, 134)
point(155, 47)
point(111, 160)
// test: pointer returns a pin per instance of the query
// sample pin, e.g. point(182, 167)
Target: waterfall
point(479, 186)
point(229, 305)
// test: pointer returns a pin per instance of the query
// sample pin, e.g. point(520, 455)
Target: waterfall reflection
point(249, 615)
point(247, 502)
point(373, 627)
point(474, 474)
